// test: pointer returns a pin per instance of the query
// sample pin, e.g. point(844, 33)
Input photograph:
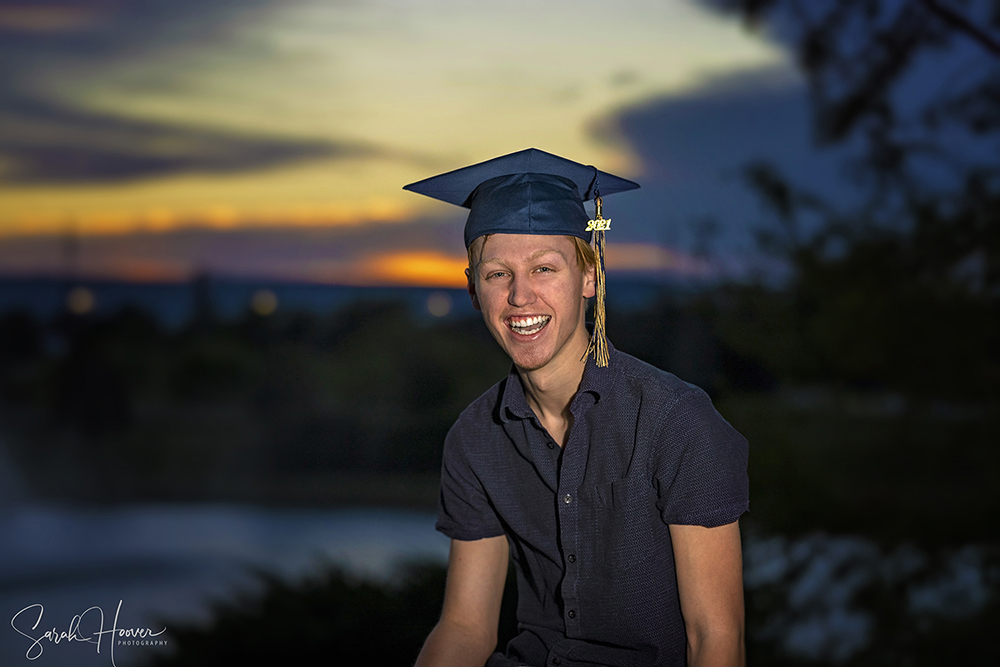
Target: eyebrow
point(534, 255)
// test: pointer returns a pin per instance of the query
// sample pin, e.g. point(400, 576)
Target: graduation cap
point(528, 192)
point(533, 192)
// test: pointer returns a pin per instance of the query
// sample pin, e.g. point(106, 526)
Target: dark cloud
point(32, 33)
point(86, 164)
point(740, 118)
point(695, 148)
point(47, 141)
point(42, 142)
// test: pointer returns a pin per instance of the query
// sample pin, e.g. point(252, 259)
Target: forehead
point(511, 247)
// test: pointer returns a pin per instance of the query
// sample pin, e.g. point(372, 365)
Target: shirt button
point(567, 499)
point(571, 558)
point(556, 661)
point(571, 613)
point(551, 444)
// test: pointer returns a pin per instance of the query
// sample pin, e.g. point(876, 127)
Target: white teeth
point(529, 325)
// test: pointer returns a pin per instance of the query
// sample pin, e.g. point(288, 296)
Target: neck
point(549, 390)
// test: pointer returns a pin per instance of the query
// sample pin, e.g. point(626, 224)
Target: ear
point(589, 282)
point(472, 290)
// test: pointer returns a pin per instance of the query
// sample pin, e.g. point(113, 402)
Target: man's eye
point(496, 274)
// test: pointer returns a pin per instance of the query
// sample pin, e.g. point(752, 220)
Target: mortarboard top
point(527, 192)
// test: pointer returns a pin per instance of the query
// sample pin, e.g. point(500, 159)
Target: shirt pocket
point(627, 531)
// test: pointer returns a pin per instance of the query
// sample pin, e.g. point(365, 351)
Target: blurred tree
point(20, 357)
point(902, 290)
point(679, 334)
point(860, 55)
point(895, 288)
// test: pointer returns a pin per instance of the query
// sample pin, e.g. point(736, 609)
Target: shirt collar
point(596, 381)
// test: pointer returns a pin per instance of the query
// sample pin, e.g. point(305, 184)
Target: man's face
point(531, 292)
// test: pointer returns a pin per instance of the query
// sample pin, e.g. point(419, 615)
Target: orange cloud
point(111, 222)
point(427, 268)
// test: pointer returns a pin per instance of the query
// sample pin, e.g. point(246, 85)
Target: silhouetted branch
point(959, 22)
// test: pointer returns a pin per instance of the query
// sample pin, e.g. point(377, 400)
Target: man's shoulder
point(484, 410)
point(478, 426)
point(650, 382)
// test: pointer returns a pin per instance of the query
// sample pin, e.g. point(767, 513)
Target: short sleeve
point(464, 510)
point(700, 465)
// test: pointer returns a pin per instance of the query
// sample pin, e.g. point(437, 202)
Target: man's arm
point(710, 583)
point(467, 631)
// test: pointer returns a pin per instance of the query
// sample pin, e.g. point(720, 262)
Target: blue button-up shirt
point(588, 524)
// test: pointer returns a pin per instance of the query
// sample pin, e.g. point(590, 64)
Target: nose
point(521, 292)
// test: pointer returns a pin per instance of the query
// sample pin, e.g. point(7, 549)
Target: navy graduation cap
point(533, 192)
point(527, 192)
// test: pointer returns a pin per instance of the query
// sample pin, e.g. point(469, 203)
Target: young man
point(615, 489)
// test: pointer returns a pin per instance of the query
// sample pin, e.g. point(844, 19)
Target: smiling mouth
point(526, 326)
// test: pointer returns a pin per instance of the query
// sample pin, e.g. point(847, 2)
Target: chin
point(524, 357)
point(530, 362)
point(534, 357)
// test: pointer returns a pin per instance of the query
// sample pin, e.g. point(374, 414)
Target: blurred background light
point(439, 304)
point(264, 302)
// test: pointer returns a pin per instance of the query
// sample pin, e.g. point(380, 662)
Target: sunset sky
point(272, 138)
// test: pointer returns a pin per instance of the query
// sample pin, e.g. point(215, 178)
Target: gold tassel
point(599, 340)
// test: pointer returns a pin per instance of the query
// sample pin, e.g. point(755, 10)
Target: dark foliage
point(332, 617)
point(914, 311)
